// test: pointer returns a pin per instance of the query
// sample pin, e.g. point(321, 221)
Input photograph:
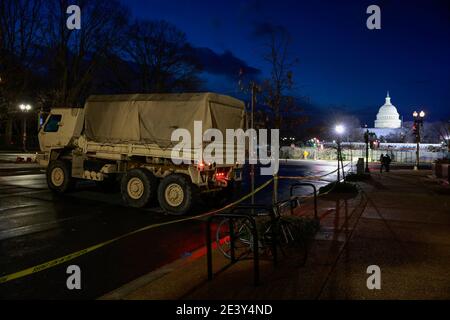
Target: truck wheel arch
point(59, 153)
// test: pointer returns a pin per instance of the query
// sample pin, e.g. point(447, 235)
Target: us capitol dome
point(388, 116)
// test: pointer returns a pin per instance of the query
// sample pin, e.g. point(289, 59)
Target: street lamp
point(339, 129)
point(418, 123)
point(24, 108)
point(367, 140)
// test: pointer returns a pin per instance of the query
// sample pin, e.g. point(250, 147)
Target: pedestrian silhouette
point(387, 163)
point(382, 162)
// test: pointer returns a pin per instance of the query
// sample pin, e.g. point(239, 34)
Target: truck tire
point(59, 179)
point(176, 194)
point(138, 188)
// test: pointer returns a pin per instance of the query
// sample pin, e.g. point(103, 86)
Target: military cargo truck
point(125, 141)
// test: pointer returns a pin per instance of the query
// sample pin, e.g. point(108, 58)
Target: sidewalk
point(400, 222)
point(8, 161)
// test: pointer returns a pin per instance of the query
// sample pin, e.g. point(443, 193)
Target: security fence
point(399, 156)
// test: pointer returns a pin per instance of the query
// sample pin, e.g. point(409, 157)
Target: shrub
point(339, 187)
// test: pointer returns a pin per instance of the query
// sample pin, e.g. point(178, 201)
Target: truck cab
point(59, 130)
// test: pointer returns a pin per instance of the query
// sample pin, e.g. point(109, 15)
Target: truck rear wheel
point(176, 194)
point(138, 188)
point(59, 179)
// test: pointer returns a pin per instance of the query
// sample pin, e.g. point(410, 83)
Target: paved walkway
point(399, 222)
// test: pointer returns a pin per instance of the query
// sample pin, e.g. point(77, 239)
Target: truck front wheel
point(138, 188)
point(176, 194)
point(59, 178)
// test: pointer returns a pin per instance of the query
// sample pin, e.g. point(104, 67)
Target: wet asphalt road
point(37, 226)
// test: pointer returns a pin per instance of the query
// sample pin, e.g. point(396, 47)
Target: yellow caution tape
point(61, 260)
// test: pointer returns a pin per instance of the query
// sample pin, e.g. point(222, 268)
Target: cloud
point(226, 64)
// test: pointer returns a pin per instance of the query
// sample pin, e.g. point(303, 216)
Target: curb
point(123, 292)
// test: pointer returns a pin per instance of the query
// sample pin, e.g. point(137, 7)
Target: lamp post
point(339, 129)
point(418, 123)
point(366, 139)
point(24, 108)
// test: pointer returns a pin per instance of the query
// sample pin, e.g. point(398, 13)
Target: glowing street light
point(340, 129)
point(25, 107)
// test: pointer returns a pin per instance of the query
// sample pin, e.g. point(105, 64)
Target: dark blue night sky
point(341, 62)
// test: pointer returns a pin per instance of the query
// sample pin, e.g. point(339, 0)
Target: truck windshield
point(52, 123)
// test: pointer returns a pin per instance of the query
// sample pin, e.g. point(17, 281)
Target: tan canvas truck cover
point(151, 118)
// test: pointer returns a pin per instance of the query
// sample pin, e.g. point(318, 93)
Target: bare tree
point(75, 55)
point(163, 57)
point(443, 130)
point(20, 25)
point(19, 31)
point(276, 88)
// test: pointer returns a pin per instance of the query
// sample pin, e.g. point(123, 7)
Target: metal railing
point(295, 198)
point(232, 216)
point(249, 213)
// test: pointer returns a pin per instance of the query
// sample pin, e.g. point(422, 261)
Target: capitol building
point(388, 120)
point(388, 116)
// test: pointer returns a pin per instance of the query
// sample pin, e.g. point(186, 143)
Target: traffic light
point(414, 129)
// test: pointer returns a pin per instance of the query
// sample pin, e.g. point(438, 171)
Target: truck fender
point(54, 154)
